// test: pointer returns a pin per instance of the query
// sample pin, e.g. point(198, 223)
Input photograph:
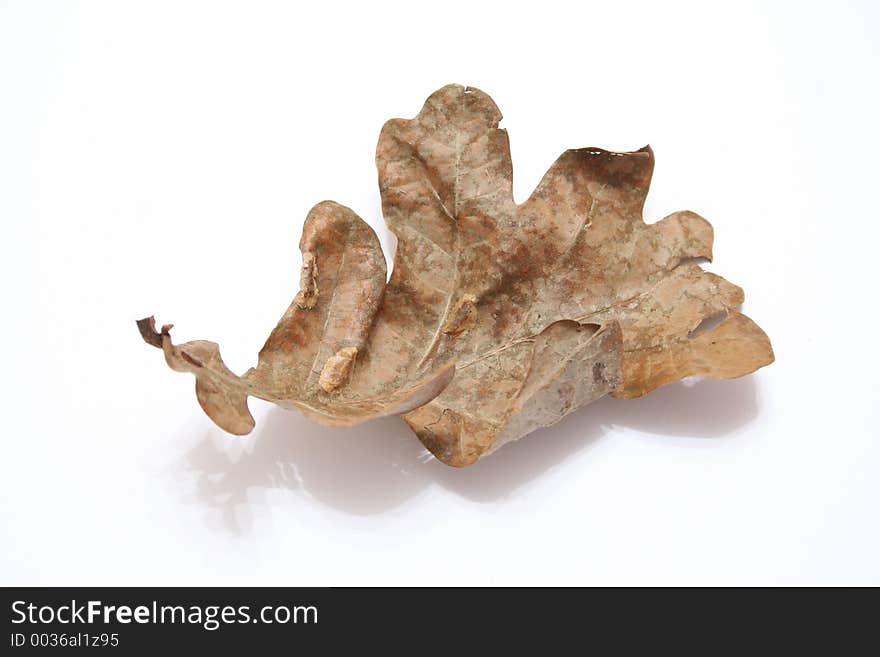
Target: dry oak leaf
point(498, 318)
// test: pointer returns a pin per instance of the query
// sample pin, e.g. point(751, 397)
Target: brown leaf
point(540, 307)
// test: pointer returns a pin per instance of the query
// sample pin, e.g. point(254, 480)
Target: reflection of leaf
point(498, 318)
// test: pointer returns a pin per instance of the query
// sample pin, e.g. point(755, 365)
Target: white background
point(160, 158)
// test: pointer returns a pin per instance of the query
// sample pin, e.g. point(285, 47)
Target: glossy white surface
point(160, 158)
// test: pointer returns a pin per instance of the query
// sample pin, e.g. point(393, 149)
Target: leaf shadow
point(376, 467)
